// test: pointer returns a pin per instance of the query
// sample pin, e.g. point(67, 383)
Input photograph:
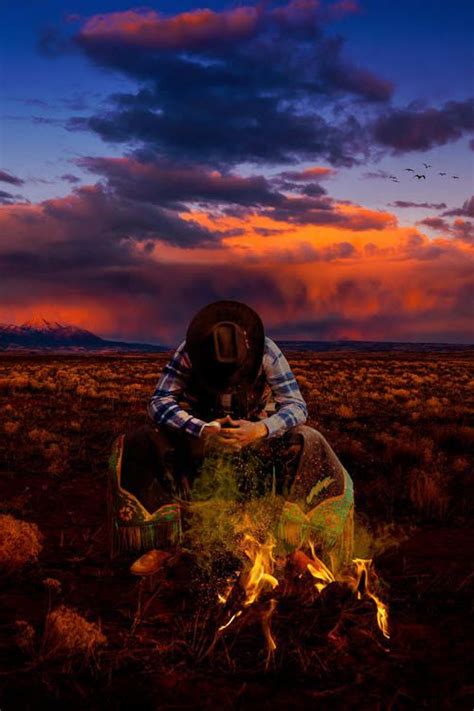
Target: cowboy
point(228, 386)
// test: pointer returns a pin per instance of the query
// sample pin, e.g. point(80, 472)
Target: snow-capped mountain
point(39, 333)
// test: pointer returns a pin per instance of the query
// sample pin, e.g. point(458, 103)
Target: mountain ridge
point(40, 334)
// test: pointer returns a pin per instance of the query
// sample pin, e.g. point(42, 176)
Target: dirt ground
point(402, 424)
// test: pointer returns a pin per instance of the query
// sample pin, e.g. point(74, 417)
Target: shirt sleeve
point(163, 407)
point(291, 407)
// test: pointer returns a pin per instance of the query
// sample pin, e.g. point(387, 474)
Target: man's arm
point(291, 407)
point(163, 407)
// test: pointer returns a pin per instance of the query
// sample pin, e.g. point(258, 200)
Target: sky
point(313, 159)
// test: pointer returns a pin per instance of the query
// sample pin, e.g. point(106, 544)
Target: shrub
point(345, 411)
point(20, 543)
point(68, 634)
point(10, 427)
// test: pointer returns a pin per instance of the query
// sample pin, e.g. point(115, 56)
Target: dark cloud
point(405, 130)
point(176, 186)
point(9, 178)
point(463, 230)
point(151, 298)
point(7, 198)
point(248, 84)
point(323, 210)
point(163, 182)
point(70, 178)
point(96, 223)
point(427, 205)
point(467, 210)
point(460, 229)
point(436, 223)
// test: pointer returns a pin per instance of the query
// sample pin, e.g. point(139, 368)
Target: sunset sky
point(156, 158)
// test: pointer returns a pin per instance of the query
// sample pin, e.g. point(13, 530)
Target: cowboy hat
point(225, 342)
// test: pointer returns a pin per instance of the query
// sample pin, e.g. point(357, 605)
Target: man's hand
point(212, 429)
point(241, 433)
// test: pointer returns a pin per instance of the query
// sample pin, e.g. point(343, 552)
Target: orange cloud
point(147, 28)
point(366, 277)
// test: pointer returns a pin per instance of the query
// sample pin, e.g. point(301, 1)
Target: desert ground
point(78, 631)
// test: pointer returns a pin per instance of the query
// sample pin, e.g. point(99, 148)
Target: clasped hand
point(237, 434)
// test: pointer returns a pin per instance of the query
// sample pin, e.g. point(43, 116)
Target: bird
point(393, 177)
point(410, 169)
point(441, 173)
point(426, 165)
point(456, 177)
point(395, 180)
point(420, 177)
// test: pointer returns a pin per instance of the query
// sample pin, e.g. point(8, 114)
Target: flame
point(255, 578)
point(224, 596)
point(260, 574)
point(361, 584)
point(319, 571)
point(227, 624)
point(364, 571)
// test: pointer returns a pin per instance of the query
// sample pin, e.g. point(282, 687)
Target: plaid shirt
point(164, 408)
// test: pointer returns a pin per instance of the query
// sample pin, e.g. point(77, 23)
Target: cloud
point(409, 129)
point(141, 270)
point(427, 205)
point(238, 85)
point(463, 230)
point(467, 210)
point(324, 211)
point(94, 223)
point(164, 182)
point(377, 175)
point(436, 223)
point(9, 178)
point(205, 28)
point(311, 174)
point(69, 178)
point(460, 229)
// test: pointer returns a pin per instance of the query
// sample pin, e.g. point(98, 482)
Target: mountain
point(40, 334)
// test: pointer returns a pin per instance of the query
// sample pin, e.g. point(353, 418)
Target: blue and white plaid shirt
point(164, 408)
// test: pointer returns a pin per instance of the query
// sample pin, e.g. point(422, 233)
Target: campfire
point(265, 579)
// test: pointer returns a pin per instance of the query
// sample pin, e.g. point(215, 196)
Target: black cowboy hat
point(225, 342)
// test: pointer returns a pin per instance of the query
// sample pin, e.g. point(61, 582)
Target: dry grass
point(403, 424)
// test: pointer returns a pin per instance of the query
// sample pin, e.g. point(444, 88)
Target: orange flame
point(361, 584)
point(319, 571)
point(257, 577)
point(260, 574)
point(364, 571)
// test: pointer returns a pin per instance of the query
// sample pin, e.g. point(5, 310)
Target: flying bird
point(395, 180)
point(426, 165)
point(410, 169)
point(420, 177)
point(441, 173)
point(456, 177)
